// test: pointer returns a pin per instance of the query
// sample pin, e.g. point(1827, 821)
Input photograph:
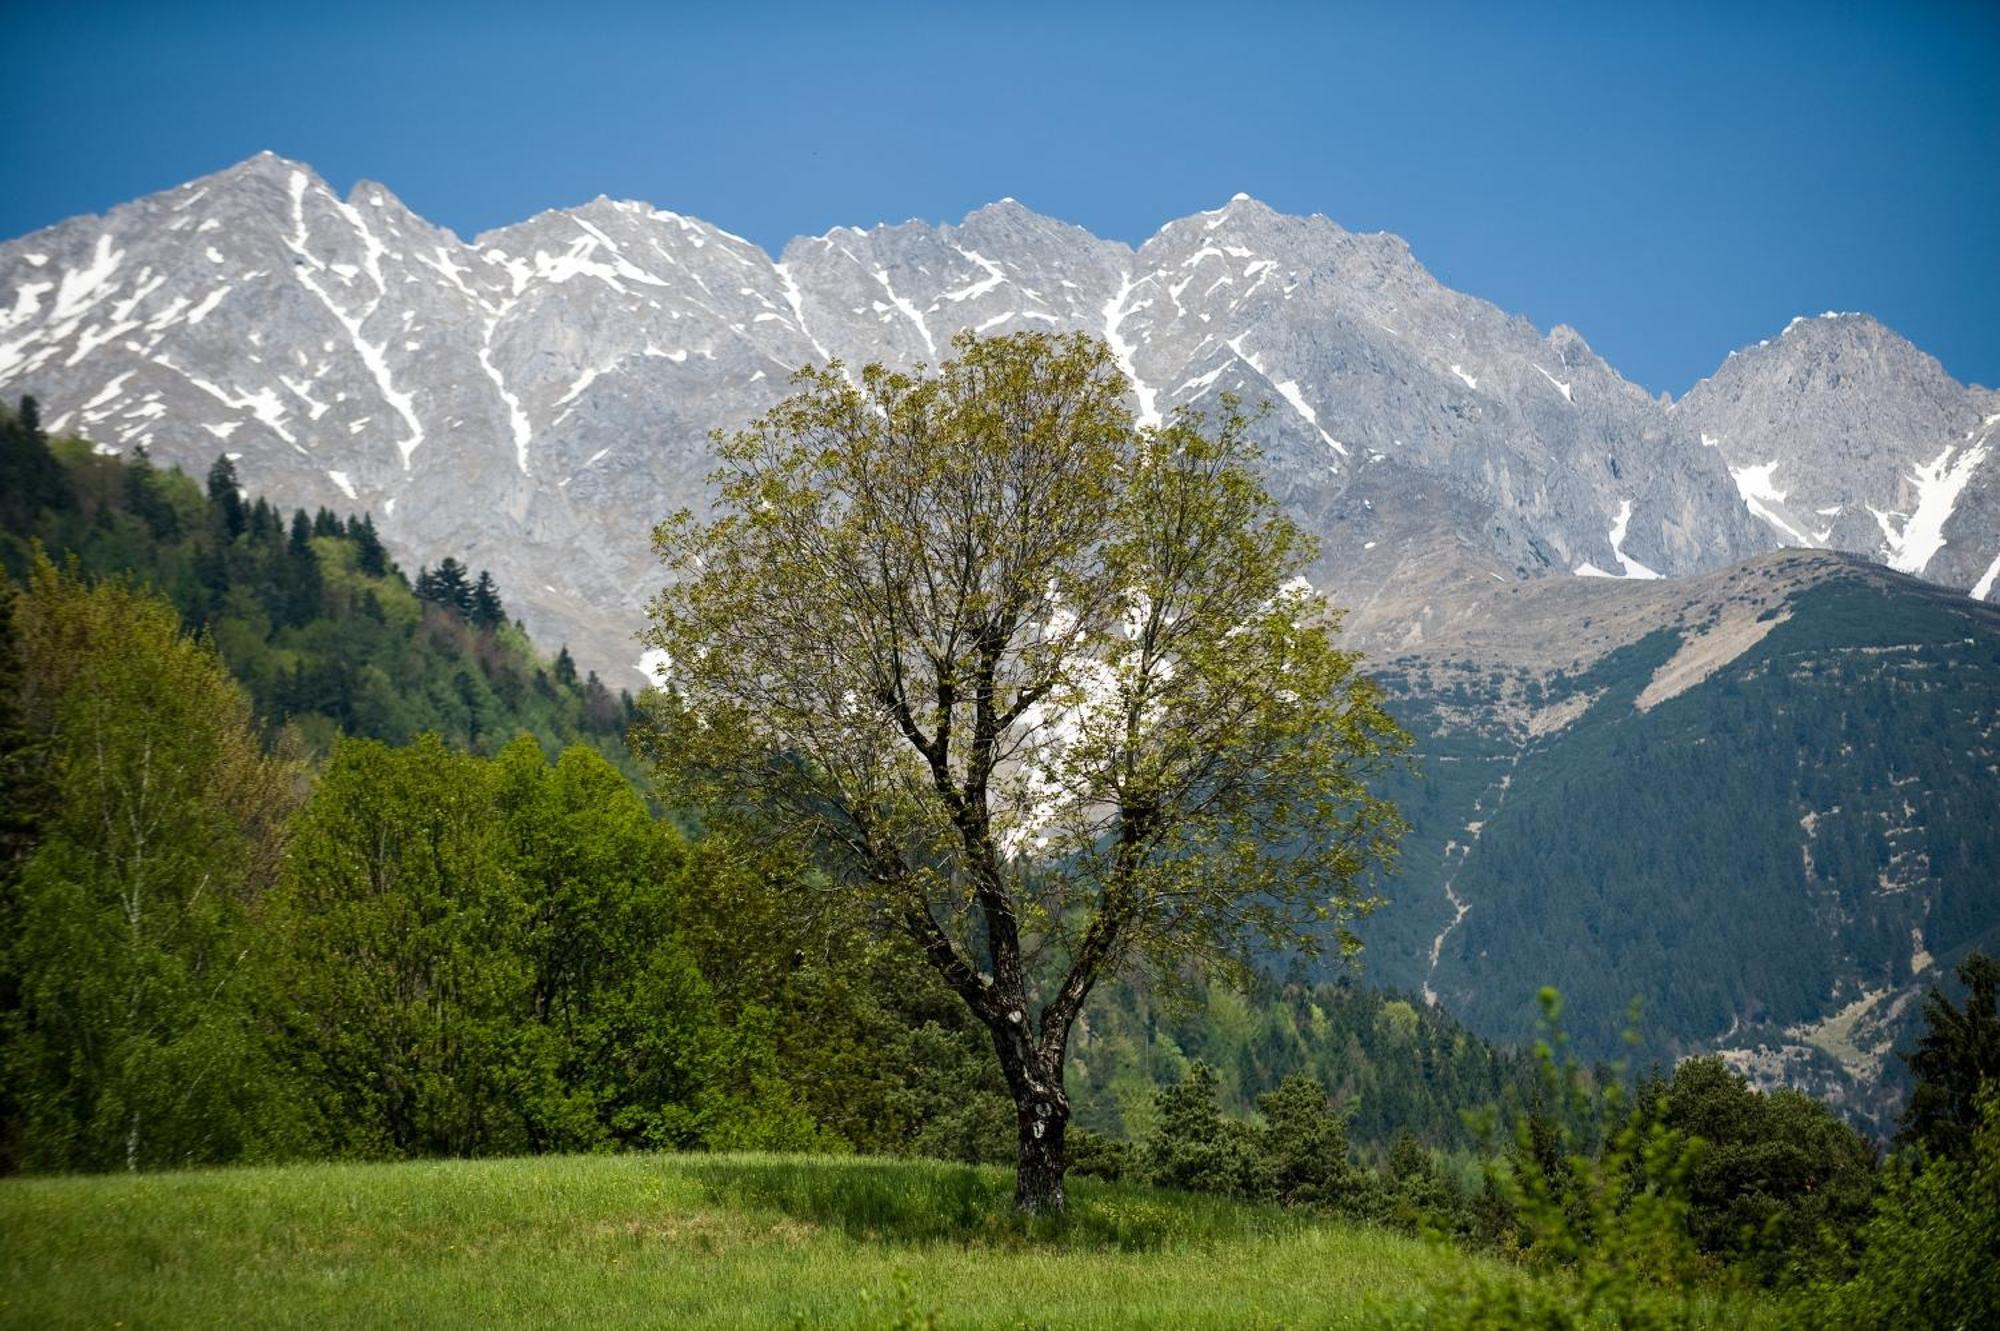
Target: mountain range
point(1573, 587)
point(534, 400)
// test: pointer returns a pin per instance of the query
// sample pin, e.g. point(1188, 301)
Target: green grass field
point(684, 1241)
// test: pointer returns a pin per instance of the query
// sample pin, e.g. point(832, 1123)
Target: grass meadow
point(683, 1241)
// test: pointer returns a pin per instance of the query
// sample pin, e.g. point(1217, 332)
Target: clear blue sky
point(1672, 180)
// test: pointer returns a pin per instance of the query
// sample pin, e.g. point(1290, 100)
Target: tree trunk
point(1041, 1157)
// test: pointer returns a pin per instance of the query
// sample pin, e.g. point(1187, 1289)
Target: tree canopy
point(1047, 688)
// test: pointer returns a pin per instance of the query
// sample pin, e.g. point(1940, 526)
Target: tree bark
point(1042, 1158)
point(1041, 1116)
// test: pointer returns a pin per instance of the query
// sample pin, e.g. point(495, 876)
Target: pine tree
point(370, 557)
point(144, 500)
point(449, 587)
point(31, 479)
point(225, 495)
point(265, 524)
point(326, 524)
point(1957, 1056)
point(565, 667)
point(487, 612)
point(601, 711)
point(302, 585)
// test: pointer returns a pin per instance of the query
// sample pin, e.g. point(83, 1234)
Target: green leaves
point(480, 958)
point(134, 924)
point(980, 644)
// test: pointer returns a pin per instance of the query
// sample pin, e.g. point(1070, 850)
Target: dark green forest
point(1806, 813)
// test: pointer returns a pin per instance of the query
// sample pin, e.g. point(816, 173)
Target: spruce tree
point(265, 524)
point(487, 612)
point(370, 557)
point(565, 667)
point(1957, 1057)
point(449, 587)
point(225, 494)
point(31, 479)
point(144, 500)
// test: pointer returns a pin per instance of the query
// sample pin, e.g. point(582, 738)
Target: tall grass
point(686, 1241)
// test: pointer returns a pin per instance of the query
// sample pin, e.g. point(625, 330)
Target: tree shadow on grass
point(926, 1202)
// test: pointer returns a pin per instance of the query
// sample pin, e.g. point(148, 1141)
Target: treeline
point(217, 951)
point(310, 613)
point(1398, 1067)
point(1689, 1200)
point(408, 951)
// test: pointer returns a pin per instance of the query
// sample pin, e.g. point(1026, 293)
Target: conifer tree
point(30, 476)
point(1956, 1059)
point(487, 612)
point(225, 497)
point(450, 588)
point(266, 527)
point(369, 557)
point(143, 498)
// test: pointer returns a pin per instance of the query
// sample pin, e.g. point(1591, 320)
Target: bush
point(1192, 1147)
point(1928, 1255)
point(1304, 1151)
point(1781, 1184)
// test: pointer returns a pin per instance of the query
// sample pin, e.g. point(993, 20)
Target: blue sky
point(1671, 180)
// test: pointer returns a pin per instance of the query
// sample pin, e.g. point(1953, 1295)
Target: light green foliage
point(322, 631)
point(479, 959)
point(1928, 1256)
point(135, 924)
point(1415, 1072)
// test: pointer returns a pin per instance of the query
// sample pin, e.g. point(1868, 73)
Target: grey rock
point(535, 400)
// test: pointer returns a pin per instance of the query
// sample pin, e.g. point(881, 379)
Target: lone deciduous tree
point(1047, 688)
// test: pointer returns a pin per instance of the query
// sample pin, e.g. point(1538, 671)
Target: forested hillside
point(326, 633)
point(1774, 854)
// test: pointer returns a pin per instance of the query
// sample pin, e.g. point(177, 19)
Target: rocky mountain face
point(535, 400)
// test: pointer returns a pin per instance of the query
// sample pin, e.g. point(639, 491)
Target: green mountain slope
point(312, 618)
point(1763, 803)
